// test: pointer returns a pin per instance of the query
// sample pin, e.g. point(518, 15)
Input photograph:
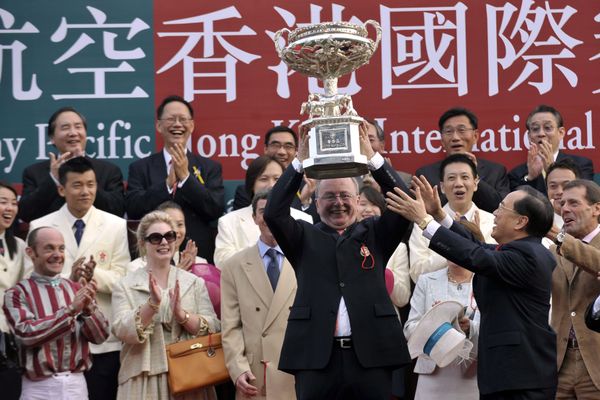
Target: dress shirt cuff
point(431, 229)
point(447, 221)
point(596, 309)
point(375, 162)
point(297, 166)
point(182, 182)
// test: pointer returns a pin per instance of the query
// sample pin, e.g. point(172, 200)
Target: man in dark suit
point(192, 181)
point(546, 130)
point(343, 337)
point(67, 129)
point(592, 315)
point(512, 286)
point(458, 127)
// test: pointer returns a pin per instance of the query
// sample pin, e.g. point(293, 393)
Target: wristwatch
point(560, 238)
point(423, 224)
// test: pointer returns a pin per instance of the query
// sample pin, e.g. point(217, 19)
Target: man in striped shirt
point(53, 319)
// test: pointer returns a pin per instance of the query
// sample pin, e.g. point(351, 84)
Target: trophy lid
point(327, 28)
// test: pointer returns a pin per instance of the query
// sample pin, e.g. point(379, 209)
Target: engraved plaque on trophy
point(327, 51)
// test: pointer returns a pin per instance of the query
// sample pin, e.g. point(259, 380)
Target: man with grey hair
point(343, 337)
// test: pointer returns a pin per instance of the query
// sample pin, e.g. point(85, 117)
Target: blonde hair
point(148, 220)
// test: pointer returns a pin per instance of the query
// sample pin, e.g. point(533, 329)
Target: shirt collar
point(71, 218)
point(263, 248)
point(53, 281)
point(590, 236)
point(468, 215)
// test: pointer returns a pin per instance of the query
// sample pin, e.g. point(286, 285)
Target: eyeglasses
point(461, 130)
point(330, 197)
point(173, 120)
point(278, 145)
point(157, 238)
point(503, 207)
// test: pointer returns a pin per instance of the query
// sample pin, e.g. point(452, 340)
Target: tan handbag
point(196, 363)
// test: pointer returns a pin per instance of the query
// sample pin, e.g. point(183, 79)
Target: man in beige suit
point(574, 286)
point(258, 287)
point(95, 246)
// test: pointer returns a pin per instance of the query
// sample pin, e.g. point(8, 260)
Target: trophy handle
point(279, 34)
point(377, 27)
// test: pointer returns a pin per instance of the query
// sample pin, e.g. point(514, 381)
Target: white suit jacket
point(237, 230)
point(105, 238)
point(423, 260)
point(253, 322)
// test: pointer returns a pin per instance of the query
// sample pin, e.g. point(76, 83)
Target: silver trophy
point(327, 51)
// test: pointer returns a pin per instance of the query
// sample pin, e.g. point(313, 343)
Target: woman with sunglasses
point(181, 258)
point(155, 306)
point(12, 267)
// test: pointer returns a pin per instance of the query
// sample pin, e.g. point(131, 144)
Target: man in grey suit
point(458, 127)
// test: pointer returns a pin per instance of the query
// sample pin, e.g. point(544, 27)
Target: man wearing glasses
point(546, 130)
point(174, 173)
point(95, 247)
point(343, 336)
point(512, 286)
point(458, 127)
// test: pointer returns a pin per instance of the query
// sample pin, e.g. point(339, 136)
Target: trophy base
point(334, 167)
point(334, 148)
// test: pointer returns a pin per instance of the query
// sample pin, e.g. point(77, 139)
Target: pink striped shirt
point(50, 340)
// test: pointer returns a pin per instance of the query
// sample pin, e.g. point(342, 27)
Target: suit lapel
point(158, 168)
point(285, 288)
point(255, 272)
point(64, 226)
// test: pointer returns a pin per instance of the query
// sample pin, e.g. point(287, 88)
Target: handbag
point(196, 363)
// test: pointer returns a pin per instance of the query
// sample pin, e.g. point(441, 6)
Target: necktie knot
point(79, 226)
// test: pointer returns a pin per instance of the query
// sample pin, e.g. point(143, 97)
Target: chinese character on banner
point(282, 70)
point(15, 51)
point(423, 48)
point(597, 56)
point(192, 66)
point(519, 32)
point(110, 52)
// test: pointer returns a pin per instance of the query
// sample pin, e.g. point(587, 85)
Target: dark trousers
point(532, 394)
point(102, 378)
point(10, 383)
point(344, 379)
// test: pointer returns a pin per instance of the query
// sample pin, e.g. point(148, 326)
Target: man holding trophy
point(343, 337)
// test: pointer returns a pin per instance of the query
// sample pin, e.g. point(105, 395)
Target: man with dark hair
point(95, 246)
point(192, 181)
point(67, 130)
point(458, 127)
point(512, 286)
point(281, 143)
point(55, 321)
point(258, 286)
point(459, 183)
point(574, 286)
point(343, 336)
point(546, 130)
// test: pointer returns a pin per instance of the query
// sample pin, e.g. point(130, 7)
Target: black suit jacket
point(493, 183)
point(517, 174)
point(202, 203)
point(590, 322)
point(512, 286)
point(328, 266)
point(40, 195)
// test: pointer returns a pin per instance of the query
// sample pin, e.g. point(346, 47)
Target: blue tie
point(273, 268)
point(79, 226)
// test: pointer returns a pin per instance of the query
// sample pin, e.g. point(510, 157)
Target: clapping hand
point(187, 258)
point(401, 203)
point(430, 196)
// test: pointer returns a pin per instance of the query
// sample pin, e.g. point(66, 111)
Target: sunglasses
point(157, 238)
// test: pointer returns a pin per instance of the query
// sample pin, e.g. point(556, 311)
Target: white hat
point(439, 336)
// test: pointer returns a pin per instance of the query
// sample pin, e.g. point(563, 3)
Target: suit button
point(257, 308)
point(342, 284)
point(573, 313)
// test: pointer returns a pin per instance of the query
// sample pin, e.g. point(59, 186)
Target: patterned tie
point(273, 268)
point(79, 227)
